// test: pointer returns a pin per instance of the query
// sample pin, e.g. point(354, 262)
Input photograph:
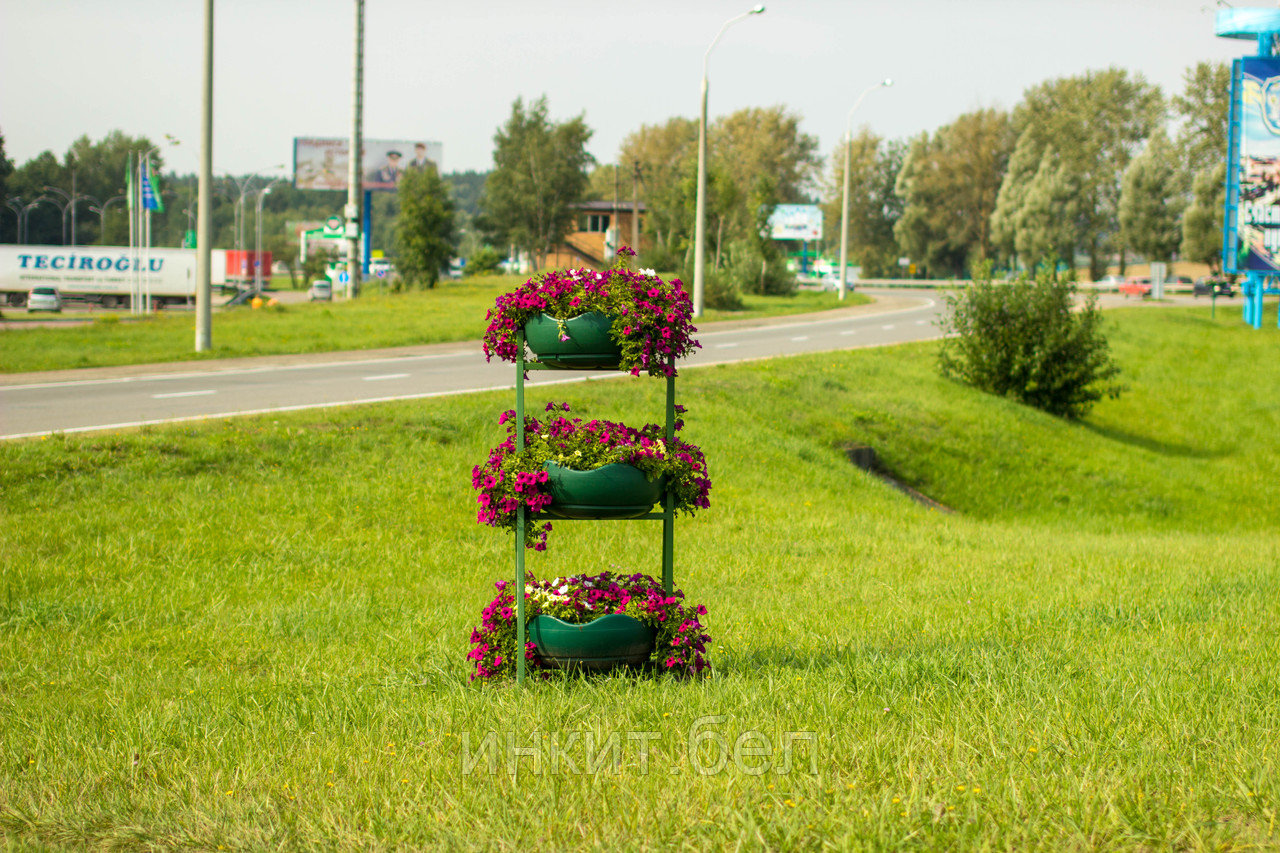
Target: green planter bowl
point(610, 491)
point(610, 641)
point(589, 345)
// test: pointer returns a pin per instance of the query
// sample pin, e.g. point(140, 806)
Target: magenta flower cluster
point(680, 643)
point(652, 319)
point(509, 479)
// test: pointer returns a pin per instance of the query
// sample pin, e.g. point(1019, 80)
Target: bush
point(658, 258)
point(753, 271)
point(483, 261)
point(718, 290)
point(1023, 340)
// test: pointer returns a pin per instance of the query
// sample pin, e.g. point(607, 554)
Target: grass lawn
point(250, 634)
point(452, 311)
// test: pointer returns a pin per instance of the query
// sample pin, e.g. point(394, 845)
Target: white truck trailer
point(112, 276)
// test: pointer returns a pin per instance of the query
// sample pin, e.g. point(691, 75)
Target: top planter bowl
point(581, 342)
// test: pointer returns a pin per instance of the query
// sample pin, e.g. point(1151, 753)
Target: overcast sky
point(449, 71)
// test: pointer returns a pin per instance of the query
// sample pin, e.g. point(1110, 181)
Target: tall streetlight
point(69, 207)
point(844, 205)
point(257, 247)
point(23, 211)
point(62, 211)
point(699, 231)
point(204, 226)
point(101, 210)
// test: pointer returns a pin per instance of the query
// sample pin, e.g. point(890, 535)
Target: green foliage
point(949, 182)
point(539, 172)
point(1203, 108)
point(1048, 220)
point(874, 205)
point(1151, 201)
point(317, 264)
point(1024, 341)
point(1094, 121)
point(485, 260)
point(1202, 221)
point(425, 226)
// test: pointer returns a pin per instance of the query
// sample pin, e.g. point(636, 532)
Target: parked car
point(321, 291)
point(44, 299)
point(1209, 284)
point(1109, 282)
point(1136, 285)
point(1180, 280)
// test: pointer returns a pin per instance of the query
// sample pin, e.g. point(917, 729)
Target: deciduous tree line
point(1097, 167)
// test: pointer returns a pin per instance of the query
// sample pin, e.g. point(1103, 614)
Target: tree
point(1095, 121)
point(1202, 221)
point(874, 206)
point(1151, 201)
point(540, 172)
point(766, 141)
point(1027, 341)
point(949, 184)
point(1049, 219)
point(1203, 107)
point(661, 158)
point(424, 226)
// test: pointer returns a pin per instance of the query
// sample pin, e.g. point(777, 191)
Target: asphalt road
point(117, 398)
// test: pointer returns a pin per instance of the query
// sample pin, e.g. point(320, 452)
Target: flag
point(151, 190)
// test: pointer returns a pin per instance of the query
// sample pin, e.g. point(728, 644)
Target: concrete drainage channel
point(864, 457)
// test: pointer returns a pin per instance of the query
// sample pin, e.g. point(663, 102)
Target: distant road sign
point(344, 277)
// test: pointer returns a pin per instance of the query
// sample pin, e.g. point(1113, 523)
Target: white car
point(321, 291)
point(44, 299)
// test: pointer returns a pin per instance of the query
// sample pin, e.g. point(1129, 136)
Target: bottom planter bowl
point(608, 642)
point(610, 491)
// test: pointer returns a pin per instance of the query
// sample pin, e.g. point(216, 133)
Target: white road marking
point(921, 322)
point(799, 338)
point(888, 327)
point(385, 376)
point(182, 394)
point(849, 332)
point(726, 346)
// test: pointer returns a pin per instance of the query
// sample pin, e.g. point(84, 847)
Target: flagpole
point(146, 247)
point(130, 202)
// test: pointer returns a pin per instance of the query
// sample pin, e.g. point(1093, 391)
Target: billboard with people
point(321, 163)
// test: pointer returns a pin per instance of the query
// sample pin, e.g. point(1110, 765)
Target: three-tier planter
point(614, 492)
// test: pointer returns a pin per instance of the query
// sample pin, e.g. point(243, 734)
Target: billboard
point(1258, 211)
point(796, 222)
point(320, 163)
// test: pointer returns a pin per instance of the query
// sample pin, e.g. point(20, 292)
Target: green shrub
point(719, 291)
point(754, 271)
point(483, 261)
point(1023, 340)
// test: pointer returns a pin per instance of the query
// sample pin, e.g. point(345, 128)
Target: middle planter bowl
point(588, 343)
point(610, 491)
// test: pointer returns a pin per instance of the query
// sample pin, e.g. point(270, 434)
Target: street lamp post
point(699, 229)
point(844, 205)
point(68, 206)
point(257, 248)
point(101, 210)
point(62, 211)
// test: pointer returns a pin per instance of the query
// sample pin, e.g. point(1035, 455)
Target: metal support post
point(520, 514)
point(668, 500)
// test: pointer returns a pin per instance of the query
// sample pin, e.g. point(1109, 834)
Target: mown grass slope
point(251, 633)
